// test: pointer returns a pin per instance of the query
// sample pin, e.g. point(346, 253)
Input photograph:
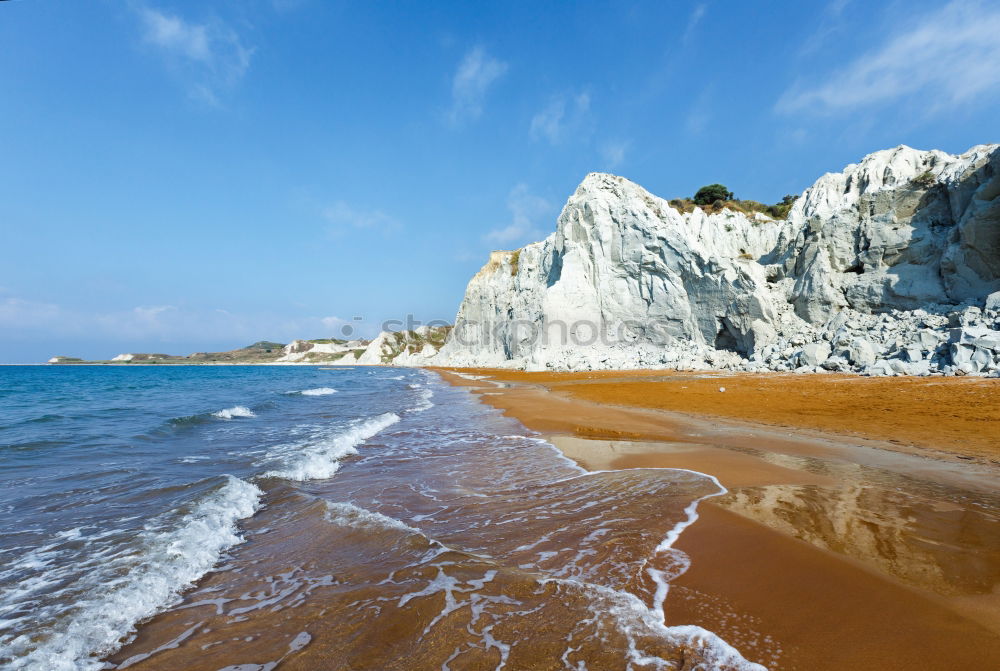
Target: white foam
point(318, 391)
point(128, 586)
point(681, 560)
point(426, 394)
point(320, 459)
point(350, 515)
point(634, 619)
point(235, 411)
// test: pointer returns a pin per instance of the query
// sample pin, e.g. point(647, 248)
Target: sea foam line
point(321, 459)
point(716, 647)
point(169, 562)
point(666, 545)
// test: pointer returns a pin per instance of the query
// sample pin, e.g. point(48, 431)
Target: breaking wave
point(350, 515)
point(318, 391)
point(234, 412)
point(124, 584)
point(319, 459)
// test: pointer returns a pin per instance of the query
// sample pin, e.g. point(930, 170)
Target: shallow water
point(250, 518)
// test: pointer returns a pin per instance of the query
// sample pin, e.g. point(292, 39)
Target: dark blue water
point(119, 486)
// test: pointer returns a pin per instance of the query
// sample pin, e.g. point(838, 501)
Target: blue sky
point(191, 176)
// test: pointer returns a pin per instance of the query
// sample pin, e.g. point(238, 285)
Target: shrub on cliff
point(711, 193)
point(780, 210)
point(727, 201)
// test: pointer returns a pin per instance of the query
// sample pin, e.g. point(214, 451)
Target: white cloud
point(173, 34)
point(209, 58)
point(476, 73)
point(949, 56)
point(697, 14)
point(342, 215)
point(148, 328)
point(613, 152)
point(563, 117)
point(526, 209)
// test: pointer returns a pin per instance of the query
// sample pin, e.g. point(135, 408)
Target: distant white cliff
point(398, 348)
point(891, 266)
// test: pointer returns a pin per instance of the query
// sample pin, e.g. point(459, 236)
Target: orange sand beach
point(861, 527)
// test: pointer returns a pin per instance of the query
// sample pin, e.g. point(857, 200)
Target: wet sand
point(862, 524)
point(454, 540)
point(956, 415)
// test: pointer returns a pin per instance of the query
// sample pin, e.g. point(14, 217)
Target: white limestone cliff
point(890, 266)
point(305, 351)
point(405, 348)
point(397, 348)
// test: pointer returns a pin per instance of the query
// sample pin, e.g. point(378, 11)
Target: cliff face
point(884, 267)
point(396, 348)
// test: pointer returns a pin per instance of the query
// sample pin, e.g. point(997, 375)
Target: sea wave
point(425, 403)
point(125, 585)
point(40, 420)
point(319, 459)
point(349, 515)
point(318, 391)
point(235, 411)
point(703, 648)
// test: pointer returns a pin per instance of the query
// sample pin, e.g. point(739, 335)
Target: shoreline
point(831, 550)
point(935, 416)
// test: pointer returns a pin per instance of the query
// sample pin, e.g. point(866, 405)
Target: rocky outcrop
point(405, 348)
point(322, 351)
point(397, 348)
point(65, 359)
point(891, 266)
point(391, 348)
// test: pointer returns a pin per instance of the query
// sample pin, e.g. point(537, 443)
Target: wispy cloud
point(700, 112)
point(563, 117)
point(17, 313)
point(157, 327)
point(209, 58)
point(697, 14)
point(831, 23)
point(613, 152)
point(342, 215)
point(949, 56)
point(836, 7)
point(526, 209)
point(475, 75)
